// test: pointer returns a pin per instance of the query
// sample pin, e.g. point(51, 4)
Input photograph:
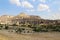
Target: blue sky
point(47, 9)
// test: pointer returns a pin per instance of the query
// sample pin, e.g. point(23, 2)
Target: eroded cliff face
point(23, 18)
point(5, 19)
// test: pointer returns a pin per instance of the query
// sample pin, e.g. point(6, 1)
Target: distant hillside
point(5, 18)
point(23, 18)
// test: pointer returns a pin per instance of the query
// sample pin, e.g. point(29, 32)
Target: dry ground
point(4, 35)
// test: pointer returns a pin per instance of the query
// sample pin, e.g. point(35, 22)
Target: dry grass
point(35, 36)
point(3, 37)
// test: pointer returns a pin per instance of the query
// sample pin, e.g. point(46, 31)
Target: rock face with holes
point(5, 19)
point(23, 18)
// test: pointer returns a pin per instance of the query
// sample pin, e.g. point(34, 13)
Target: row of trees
point(3, 26)
point(37, 28)
point(47, 28)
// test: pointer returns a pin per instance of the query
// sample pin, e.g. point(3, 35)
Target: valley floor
point(5, 35)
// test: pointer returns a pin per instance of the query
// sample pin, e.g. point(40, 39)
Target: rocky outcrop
point(23, 18)
point(4, 19)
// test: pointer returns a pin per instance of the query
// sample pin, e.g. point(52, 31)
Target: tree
point(1, 26)
point(14, 25)
point(18, 30)
point(23, 25)
point(37, 29)
point(6, 26)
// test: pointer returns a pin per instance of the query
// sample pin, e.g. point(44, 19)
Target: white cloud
point(22, 3)
point(43, 7)
point(17, 2)
point(42, 1)
point(27, 4)
point(56, 16)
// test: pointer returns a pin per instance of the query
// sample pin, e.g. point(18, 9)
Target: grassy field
point(4, 35)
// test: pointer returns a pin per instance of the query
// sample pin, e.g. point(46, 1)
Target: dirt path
point(2, 37)
point(40, 36)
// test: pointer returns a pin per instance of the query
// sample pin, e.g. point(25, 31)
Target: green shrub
point(6, 27)
point(18, 30)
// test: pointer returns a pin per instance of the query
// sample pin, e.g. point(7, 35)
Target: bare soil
point(5, 35)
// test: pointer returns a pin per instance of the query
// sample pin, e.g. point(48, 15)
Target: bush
point(37, 29)
point(6, 27)
point(1, 27)
point(47, 28)
point(18, 30)
point(14, 25)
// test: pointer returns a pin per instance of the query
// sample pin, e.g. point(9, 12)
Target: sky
point(47, 9)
